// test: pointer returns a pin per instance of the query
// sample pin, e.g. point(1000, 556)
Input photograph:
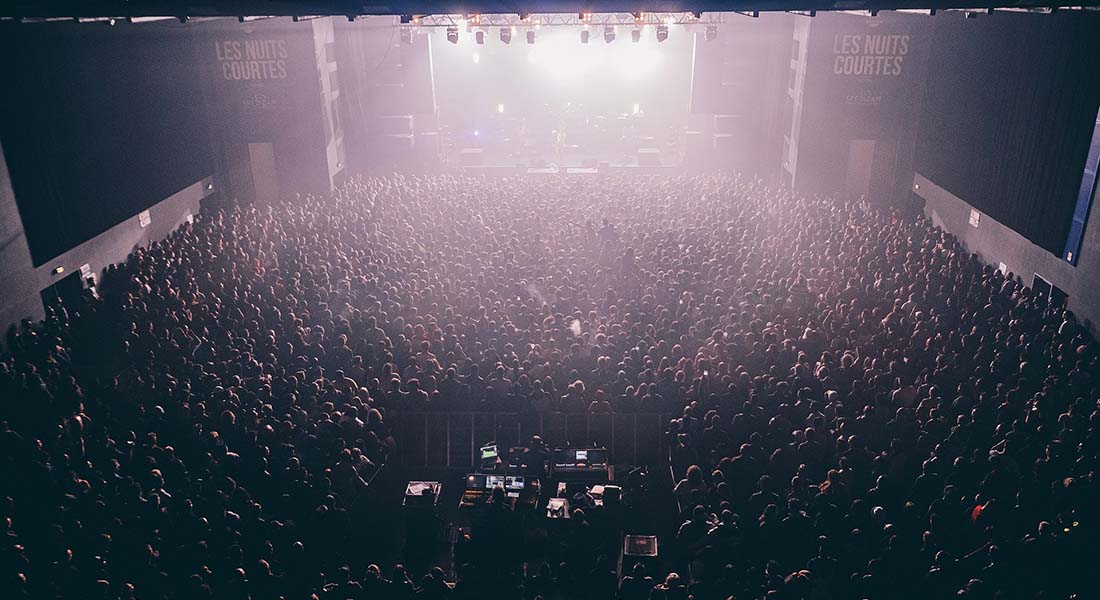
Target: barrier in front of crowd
point(453, 439)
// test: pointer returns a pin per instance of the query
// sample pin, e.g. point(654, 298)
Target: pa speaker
point(649, 157)
point(729, 123)
point(724, 142)
point(470, 157)
point(427, 148)
point(695, 147)
point(396, 143)
point(388, 99)
point(393, 125)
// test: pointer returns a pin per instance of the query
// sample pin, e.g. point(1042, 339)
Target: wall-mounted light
point(58, 270)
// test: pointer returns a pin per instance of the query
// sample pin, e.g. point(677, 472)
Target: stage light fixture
point(662, 32)
point(530, 36)
point(505, 35)
point(711, 32)
point(479, 37)
point(609, 34)
point(584, 36)
point(635, 35)
point(406, 36)
point(452, 34)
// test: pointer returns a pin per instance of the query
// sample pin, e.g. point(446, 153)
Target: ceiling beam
point(288, 8)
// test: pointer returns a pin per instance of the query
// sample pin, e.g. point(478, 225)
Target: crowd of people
point(863, 408)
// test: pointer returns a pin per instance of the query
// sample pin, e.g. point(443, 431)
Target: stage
point(644, 160)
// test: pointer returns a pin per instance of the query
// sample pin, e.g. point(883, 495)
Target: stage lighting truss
point(535, 21)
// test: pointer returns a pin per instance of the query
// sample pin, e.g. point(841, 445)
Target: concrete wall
point(996, 244)
point(115, 244)
point(852, 132)
point(21, 283)
point(19, 298)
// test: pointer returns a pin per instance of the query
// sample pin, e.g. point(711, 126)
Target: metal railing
point(453, 439)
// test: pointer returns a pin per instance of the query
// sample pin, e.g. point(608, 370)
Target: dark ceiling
point(228, 8)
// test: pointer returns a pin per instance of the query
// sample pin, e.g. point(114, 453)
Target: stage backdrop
point(1008, 114)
